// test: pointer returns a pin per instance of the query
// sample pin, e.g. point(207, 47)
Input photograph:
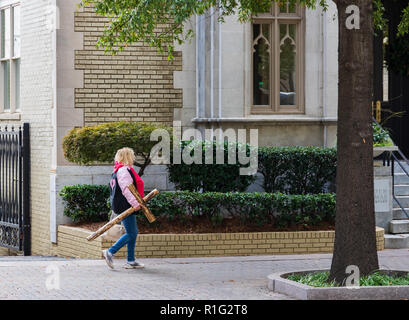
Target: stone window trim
point(10, 55)
point(275, 18)
point(278, 120)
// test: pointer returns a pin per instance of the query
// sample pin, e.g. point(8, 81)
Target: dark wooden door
point(398, 85)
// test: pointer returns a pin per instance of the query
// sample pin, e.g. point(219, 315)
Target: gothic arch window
point(277, 60)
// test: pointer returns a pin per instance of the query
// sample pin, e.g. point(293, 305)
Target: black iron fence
point(14, 188)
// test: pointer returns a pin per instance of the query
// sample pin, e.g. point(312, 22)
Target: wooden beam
point(121, 217)
point(148, 213)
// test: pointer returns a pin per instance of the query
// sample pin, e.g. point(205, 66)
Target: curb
point(278, 283)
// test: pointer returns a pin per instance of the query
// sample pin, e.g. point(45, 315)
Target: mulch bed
point(204, 225)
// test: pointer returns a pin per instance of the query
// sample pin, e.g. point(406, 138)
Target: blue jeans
point(129, 238)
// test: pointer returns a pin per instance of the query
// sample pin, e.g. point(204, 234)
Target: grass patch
point(320, 279)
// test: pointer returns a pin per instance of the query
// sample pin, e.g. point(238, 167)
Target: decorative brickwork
point(72, 243)
point(136, 84)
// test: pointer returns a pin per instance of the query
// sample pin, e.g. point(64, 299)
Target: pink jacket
point(124, 180)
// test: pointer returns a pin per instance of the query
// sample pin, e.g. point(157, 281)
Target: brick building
point(55, 79)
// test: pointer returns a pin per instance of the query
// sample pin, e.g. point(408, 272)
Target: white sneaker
point(109, 258)
point(133, 265)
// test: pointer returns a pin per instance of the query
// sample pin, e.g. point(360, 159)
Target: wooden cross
point(142, 201)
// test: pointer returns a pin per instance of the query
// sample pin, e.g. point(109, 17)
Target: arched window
point(277, 61)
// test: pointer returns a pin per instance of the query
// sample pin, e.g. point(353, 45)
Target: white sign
point(382, 195)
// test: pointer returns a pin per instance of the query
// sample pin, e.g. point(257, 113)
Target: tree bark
point(355, 236)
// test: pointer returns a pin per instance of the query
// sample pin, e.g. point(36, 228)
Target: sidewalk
point(226, 278)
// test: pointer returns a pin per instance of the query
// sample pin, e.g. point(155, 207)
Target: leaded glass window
point(277, 65)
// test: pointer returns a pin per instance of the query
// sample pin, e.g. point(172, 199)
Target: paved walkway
point(226, 278)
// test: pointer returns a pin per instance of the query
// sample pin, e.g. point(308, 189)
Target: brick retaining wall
point(72, 243)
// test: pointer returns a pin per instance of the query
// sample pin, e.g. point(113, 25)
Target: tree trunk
point(355, 237)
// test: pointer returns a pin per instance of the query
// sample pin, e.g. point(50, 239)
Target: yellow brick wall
point(4, 251)
point(72, 243)
point(136, 84)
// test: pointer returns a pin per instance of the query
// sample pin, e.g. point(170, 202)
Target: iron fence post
point(26, 190)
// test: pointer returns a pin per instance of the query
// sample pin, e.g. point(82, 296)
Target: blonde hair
point(126, 156)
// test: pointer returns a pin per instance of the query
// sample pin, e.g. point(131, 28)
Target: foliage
point(86, 203)
point(297, 170)
point(89, 203)
point(320, 279)
point(251, 208)
point(164, 23)
point(93, 144)
point(316, 279)
point(380, 22)
point(390, 114)
point(381, 137)
point(293, 170)
point(207, 176)
point(403, 27)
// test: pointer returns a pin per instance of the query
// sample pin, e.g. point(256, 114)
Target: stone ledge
point(275, 119)
point(10, 116)
point(72, 243)
point(278, 283)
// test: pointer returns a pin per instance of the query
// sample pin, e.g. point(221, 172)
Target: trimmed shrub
point(291, 170)
point(257, 209)
point(98, 144)
point(89, 203)
point(86, 203)
point(297, 170)
point(381, 137)
point(210, 177)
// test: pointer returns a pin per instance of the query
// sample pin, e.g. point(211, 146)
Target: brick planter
point(72, 242)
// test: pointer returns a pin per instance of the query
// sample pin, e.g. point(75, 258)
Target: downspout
point(220, 70)
point(53, 20)
point(200, 67)
point(324, 74)
point(197, 64)
point(212, 25)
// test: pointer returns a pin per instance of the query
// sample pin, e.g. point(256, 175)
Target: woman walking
point(122, 199)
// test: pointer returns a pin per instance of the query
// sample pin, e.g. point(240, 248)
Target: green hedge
point(209, 177)
point(297, 170)
point(98, 144)
point(251, 208)
point(291, 170)
point(89, 203)
point(86, 203)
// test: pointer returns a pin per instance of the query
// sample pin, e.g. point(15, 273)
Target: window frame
point(275, 18)
point(12, 59)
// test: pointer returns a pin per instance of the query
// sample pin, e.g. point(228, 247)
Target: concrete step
point(401, 189)
point(398, 168)
point(399, 226)
point(396, 241)
point(400, 178)
point(403, 200)
point(398, 214)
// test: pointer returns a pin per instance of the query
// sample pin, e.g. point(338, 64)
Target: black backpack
point(118, 202)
